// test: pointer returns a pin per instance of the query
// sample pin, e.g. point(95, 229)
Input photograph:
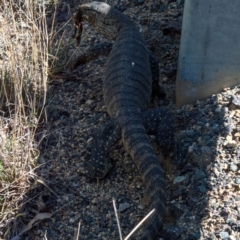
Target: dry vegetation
point(24, 61)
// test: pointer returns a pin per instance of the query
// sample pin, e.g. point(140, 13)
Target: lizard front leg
point(104, 138)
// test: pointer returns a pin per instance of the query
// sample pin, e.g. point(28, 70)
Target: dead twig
point(118, 223)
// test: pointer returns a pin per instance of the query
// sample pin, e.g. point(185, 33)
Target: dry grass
point(24, 61)
point(31, 51)
point(33, 48)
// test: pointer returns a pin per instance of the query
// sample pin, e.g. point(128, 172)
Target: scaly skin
point(127, 88)
point(104, 49)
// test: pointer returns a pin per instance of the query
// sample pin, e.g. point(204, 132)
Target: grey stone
point(123, 207)
point(224, 235)
point(202, 189)
point(199, 174)
point(204, 158)
point(237, 181)
point(190, 133)
point(231, 143)
point(233, 167)
point(179, 179)
point(236, 101)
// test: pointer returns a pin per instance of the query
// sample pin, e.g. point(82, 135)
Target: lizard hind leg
point(104, 138)
point(166, 130)
point(160, 122)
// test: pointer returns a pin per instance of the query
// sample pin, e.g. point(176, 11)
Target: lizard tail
point(138, 145)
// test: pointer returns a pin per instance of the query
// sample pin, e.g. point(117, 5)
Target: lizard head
point(102, 16)
point(91, 12)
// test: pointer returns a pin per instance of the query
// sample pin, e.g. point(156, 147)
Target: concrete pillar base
point(209, 56)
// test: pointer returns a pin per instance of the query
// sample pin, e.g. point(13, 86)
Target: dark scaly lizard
point(127, 87)
point(104, 49)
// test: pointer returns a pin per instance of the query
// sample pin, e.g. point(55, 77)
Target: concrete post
point(209, 57)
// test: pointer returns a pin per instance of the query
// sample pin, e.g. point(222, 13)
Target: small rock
point(233, 167)
point(202, 157)
point(94, 201)
point(229, 138)
point(89, 102)
point(215, 128)
point(224, 166)
point(214, 203)
point(237, 134)
point(90, 139)
point(41, 159)
point(228, 128)
point(190, 133)
point(190, 148)
point(179, 179)
point(225, 109)
point(236, 101)
point(200, 123)
point(237, 181)
point(123, 207)
point(140, 207)
point(231, 237)
point(207, 125)
point(217, 173)
point(202, 189)
point(206, 150)
point(232, 107)
point(224, 235)
point(213, 237)
point(231, 144)
point(199, 174)
point(71, 220)
point(238, 152)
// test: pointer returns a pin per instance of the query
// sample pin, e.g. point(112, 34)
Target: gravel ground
point(202, 171)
